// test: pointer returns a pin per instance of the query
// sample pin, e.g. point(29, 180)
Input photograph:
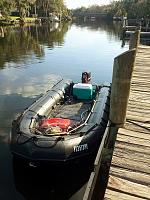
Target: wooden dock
point(129, 177)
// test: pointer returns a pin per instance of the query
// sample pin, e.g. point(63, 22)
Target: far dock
point(131, 25)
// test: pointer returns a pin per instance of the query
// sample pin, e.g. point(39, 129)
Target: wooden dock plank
point(137, 177)
point(114, 195)
point(138, 104)
point(133, 140)
point(134, 126)
point(133, 156)
point(139, 118)
point(133, 147)
point(130, 164)
point(134, 134)
point(129, 187)
point(130, 167)
point(137, 108)
point(139, 88)
point(140, 114)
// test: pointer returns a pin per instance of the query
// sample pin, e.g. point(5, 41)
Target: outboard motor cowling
point(86, 77)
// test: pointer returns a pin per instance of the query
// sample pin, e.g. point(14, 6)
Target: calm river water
point(32, 59)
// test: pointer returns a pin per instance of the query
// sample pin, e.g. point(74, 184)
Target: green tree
point(6, 6)
point(23, 6)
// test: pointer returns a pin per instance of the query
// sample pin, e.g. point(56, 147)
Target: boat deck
point(74, 110)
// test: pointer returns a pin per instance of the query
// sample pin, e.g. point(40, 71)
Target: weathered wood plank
point(132, 147)
point(137, 124)
point(140, 78)
point(114, 195)
point(138, 104)
point(142, 83)
point(130, 175)
point(139, 118)
point(129, 187)
point(134, 127)
point(140, 93)
point(144, 72)
point(142, 113)
point(139, 157)
point(140, 73)
point(133, 140)
point(140, 96)
point(137, 108)
point(140, 99)
point(140, 65)
point(143, 93)
point(141, 69)
point(134, 134)
point(131, 164)
point(139, 88)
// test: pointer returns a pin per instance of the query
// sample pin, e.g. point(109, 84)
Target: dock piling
point(122, 74)
point(134, 40)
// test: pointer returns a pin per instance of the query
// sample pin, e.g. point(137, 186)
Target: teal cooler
point(83, 91)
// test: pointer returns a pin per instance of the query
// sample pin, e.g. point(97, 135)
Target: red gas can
point(62, 123)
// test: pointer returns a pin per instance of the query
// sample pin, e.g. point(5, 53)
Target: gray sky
point(85, 3)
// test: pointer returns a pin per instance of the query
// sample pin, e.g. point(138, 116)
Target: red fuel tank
point(62, 123)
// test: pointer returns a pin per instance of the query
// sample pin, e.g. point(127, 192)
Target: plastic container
point(83, 91)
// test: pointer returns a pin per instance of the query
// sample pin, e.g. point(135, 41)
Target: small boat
point(66, 124)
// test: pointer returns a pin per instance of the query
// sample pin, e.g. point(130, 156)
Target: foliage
point(24, 7)
point(130, 8)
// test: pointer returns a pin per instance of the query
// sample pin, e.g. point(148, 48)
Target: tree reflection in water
point(21, 44)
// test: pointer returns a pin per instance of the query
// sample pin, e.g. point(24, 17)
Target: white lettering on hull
point(81, 147)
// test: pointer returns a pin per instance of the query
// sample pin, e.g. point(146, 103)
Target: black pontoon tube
point(42, 106)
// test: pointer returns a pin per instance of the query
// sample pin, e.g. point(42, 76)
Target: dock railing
point(120, 90)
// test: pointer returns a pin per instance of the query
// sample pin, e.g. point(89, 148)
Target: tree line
point(128, 8)
point(131, 8)
point(122, 8)
point(26, 7)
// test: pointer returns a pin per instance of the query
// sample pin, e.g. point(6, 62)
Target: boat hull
point(60, 149)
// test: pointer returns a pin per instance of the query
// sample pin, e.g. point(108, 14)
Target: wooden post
point(122, 74)
point(134, 40)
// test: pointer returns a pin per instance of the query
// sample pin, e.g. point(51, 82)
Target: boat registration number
point(81, 147)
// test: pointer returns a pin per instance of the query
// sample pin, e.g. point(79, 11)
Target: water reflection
point(21, 44)
point(16, 82)
point(112, 28)
point(14, 98)
point(17, 46)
